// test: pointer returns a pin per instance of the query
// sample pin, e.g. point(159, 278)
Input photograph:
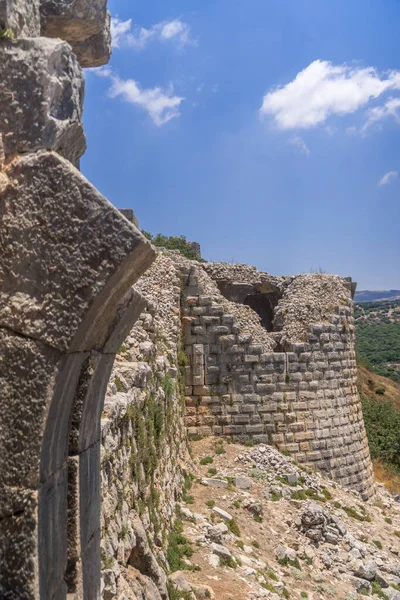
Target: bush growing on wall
point(173, 243)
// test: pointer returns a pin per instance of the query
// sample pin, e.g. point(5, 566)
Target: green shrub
point(389, 520)
point(300, 495)
point(378, 544)
point(286, 562)
point(234, 527)
point(380, 391)
point(118, 384)
point(178, 547)
point(212, 471)
point(377, 590)
point(173, 243)
point(206, 460)
point(382, 423)
point(269, 587)
point(227, 561)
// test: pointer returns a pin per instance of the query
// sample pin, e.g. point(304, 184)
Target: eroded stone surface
point(71, 20)
point(61, 241)
point(96, 50)
point(21, 16)
point(28, 372)
point(41, 96)
point(18, 543)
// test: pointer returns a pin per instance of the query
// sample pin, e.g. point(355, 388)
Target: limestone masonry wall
point(144, 443)
point(304, 400)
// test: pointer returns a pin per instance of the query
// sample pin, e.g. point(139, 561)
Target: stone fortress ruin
point(112, 353)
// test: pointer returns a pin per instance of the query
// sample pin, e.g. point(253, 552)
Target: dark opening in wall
point(262, 302)
point(263, 305)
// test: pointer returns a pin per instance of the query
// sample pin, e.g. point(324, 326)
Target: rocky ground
point(255, 524)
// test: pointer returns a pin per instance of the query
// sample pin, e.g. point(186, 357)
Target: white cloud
point(123, 34)
point(160, 104)
point(323, 89)
point(388, 178)
point(391, 108)
point(119, 31)
point(300, 144)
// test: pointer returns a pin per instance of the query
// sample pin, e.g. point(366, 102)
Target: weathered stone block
point(96, 50)
point(21, 16)
point(66, 254)
point(27, 371)
point(18, 543)
point(41, 96)
point(68, 20)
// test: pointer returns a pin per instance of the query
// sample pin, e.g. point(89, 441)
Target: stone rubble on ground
point(331, 536)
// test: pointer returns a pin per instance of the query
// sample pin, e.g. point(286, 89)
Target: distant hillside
point(376, 295)
point(378, 337)
point(381, 409)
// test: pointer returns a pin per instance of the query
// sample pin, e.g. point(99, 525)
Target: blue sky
point(266, 130)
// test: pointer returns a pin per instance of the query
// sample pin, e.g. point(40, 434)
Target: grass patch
point(212, 471)
point(351, 512)
point(178, 547)
point(187, 498)
point(174, 594)
point(377, 590)
point(228, 561)
point(206, 460)
point(286, 562)
point(307, 559)
point(378, 544)
point(234, 527)
point(271, 588)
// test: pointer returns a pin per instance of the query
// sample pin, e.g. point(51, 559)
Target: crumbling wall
point(68, 260)
point(144, 442)
point(296, 390)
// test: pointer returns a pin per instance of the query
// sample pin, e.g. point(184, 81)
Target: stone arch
point(68, 261)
